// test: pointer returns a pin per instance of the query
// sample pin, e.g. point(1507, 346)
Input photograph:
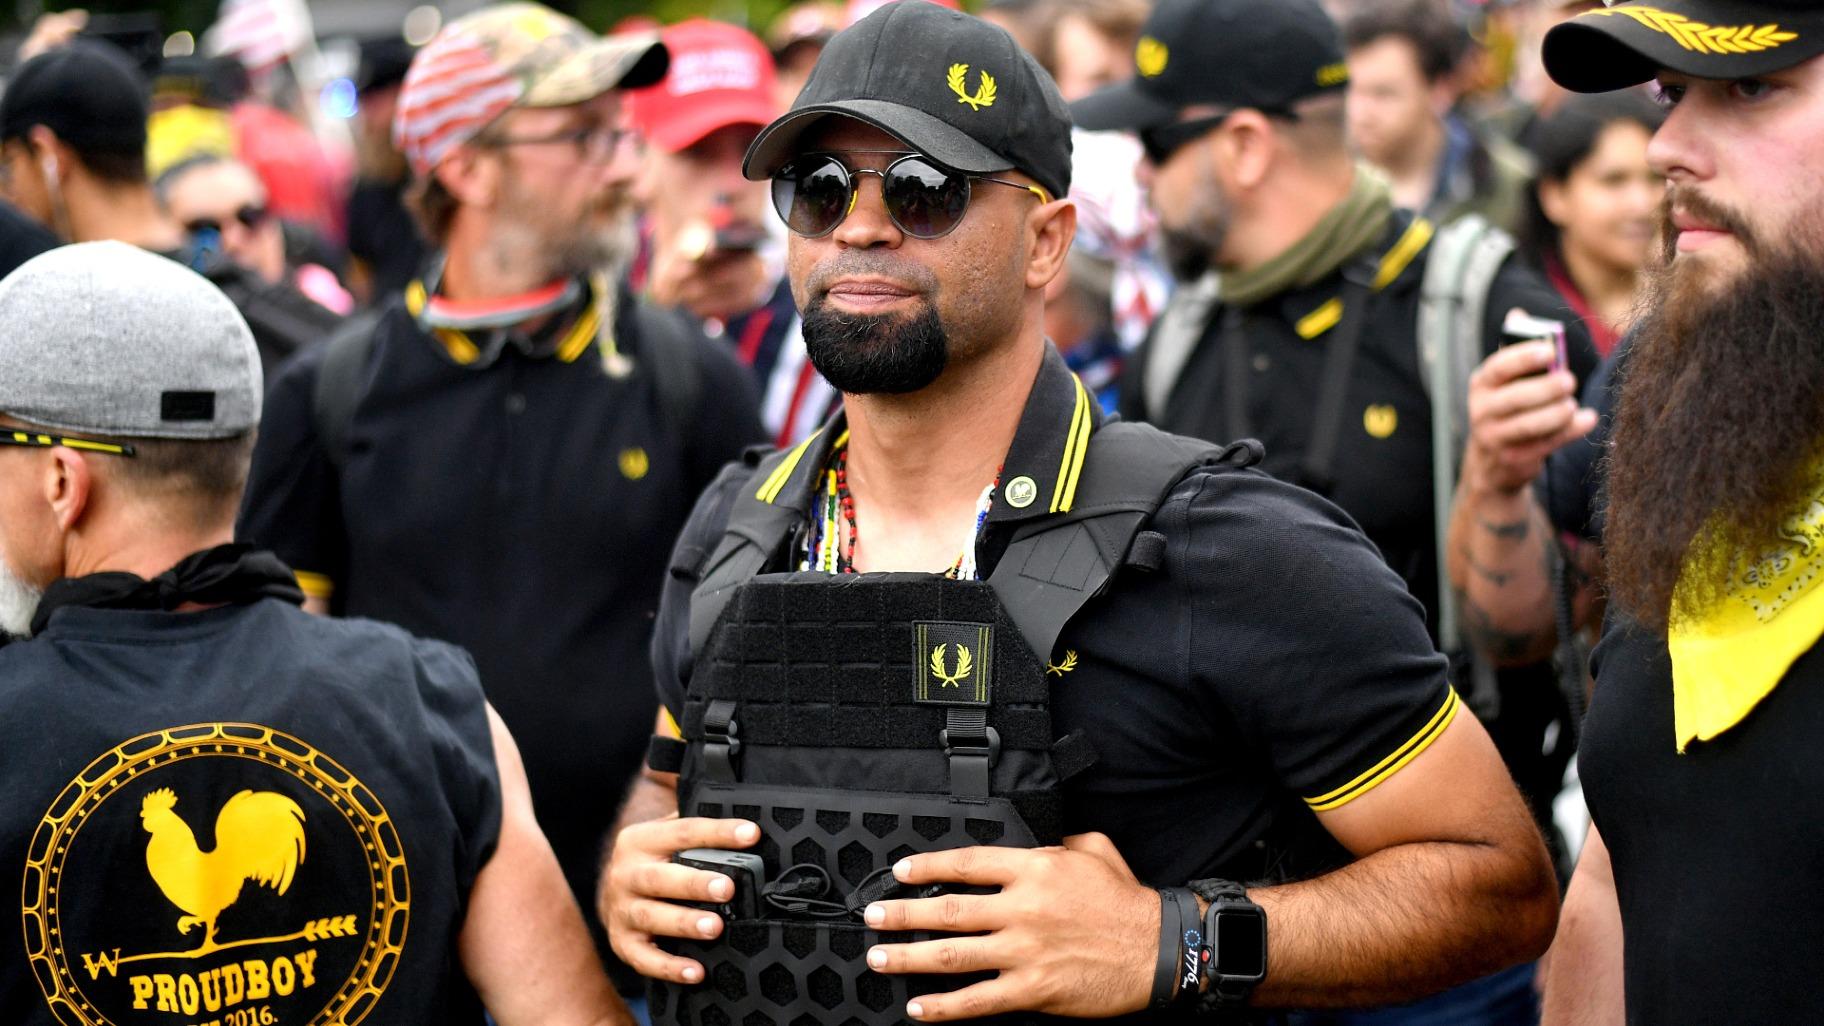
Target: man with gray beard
point(501, 456)
point(1696, 895)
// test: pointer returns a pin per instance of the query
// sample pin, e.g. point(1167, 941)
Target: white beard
point(18, 602)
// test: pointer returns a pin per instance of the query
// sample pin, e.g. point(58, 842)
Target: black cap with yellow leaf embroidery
point(1626, 44)
point(1264, 54)
point(948, 84)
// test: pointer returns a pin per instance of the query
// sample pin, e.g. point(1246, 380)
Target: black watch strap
point(1230, 985)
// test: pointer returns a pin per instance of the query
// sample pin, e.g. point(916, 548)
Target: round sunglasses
point(814, 193)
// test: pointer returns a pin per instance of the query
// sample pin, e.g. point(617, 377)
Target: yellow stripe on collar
point(1411, 243)
point(775, 482)
point(1076, 449)
point(463, 349)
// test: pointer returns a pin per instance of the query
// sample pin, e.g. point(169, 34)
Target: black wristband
point(1189, 982)
point(1165, 976)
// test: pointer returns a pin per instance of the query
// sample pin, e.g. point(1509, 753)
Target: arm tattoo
point(1511, 531)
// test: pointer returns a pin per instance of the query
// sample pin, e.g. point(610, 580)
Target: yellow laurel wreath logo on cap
point(1701, 38)
point(1150, 57)
point(984, 93)
point(1332, 75)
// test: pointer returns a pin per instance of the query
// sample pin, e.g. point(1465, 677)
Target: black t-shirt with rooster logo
point(244, 815)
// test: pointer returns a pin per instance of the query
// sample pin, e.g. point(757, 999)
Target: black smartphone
point(1521, 326)
point(743, 867)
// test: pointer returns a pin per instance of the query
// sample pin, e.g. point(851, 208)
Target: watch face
point(1241, 943)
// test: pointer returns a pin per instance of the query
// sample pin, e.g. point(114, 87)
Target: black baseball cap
point(1629, 43)
point(87, 92)
point(1265, 54)
point(948, 84)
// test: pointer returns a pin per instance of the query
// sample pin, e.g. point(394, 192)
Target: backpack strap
point(668, 344)
point(337, 390)
point(1465, 257)
point(1052, 567)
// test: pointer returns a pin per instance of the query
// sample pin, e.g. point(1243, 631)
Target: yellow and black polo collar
point(1039, 477)
point(1393, 263)
point(1045, 463)
point(465, 352)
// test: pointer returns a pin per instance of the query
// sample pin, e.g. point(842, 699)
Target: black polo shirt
point(241, 814)
point(523, 511)
point(1718, 868)
point(1273, 666)
point(1382, 471)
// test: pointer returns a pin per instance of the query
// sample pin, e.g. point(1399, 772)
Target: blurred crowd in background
point(265, 155)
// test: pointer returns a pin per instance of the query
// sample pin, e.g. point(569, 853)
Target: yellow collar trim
point(1076, 449)
point(1726, 661)
point(464, 351)
point(1411, 243)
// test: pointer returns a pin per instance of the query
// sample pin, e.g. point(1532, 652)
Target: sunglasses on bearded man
point(816, 192)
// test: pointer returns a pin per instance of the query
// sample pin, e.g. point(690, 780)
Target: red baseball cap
point(720, 75)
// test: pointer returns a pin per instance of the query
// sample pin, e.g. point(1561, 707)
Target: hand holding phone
point(1521, 326)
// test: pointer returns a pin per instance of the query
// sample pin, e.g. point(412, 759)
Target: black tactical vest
point(859, 719)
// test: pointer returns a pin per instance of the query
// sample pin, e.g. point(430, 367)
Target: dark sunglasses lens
point(202, 225)
point(812, 200)
point(926, 201)
point(251, 216)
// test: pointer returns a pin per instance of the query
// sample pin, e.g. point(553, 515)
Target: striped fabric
point(454, 90)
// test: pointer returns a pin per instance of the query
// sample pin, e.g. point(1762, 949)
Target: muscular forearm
point(1583, 980)
point(1500, 552)
point(1404, 922)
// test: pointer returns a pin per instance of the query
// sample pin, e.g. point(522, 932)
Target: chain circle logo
point(290, 910)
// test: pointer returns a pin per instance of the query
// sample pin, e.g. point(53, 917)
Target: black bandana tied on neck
point(224, 574)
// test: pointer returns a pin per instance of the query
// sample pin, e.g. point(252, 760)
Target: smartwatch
point(1235, 930)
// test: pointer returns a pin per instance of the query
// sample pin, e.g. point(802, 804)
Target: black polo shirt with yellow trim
point(1272, 667)
point(1382, 471)
point(521, 508)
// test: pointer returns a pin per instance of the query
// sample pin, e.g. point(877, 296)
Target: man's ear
point(68, 485)
point(1246, 141)
point(469, 174)
point(1054, 228)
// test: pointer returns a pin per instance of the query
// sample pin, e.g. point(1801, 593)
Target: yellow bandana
point(1727, 660)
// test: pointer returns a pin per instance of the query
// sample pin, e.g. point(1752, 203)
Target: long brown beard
point(1718, 417)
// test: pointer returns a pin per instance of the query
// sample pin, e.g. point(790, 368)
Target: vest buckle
point(973, 747)
point(721, 742)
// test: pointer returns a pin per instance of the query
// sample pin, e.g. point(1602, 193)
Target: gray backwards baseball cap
point(107, 339)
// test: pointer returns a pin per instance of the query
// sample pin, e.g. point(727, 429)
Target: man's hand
point(1520, 412)
point(642, 884)
point(1071, 931)
point(51, 31)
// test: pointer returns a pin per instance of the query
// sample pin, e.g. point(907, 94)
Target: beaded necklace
point(830, 547)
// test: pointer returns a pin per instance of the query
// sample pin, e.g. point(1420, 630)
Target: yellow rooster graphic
point(259, 836)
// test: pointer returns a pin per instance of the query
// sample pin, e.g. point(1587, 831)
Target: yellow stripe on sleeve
point(317, 586)
point(668, 724)
point(1393, 763)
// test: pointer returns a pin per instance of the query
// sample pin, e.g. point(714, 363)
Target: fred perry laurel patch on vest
point(952, 662)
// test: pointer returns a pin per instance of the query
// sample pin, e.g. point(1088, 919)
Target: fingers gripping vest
point(859, 719)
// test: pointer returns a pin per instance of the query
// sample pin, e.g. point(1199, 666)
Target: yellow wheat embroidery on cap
point(984, 92)
point(1332, 75)
point(1701, 38)
point(1150, 57)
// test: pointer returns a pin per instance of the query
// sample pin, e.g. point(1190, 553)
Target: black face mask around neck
point(224, 574)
